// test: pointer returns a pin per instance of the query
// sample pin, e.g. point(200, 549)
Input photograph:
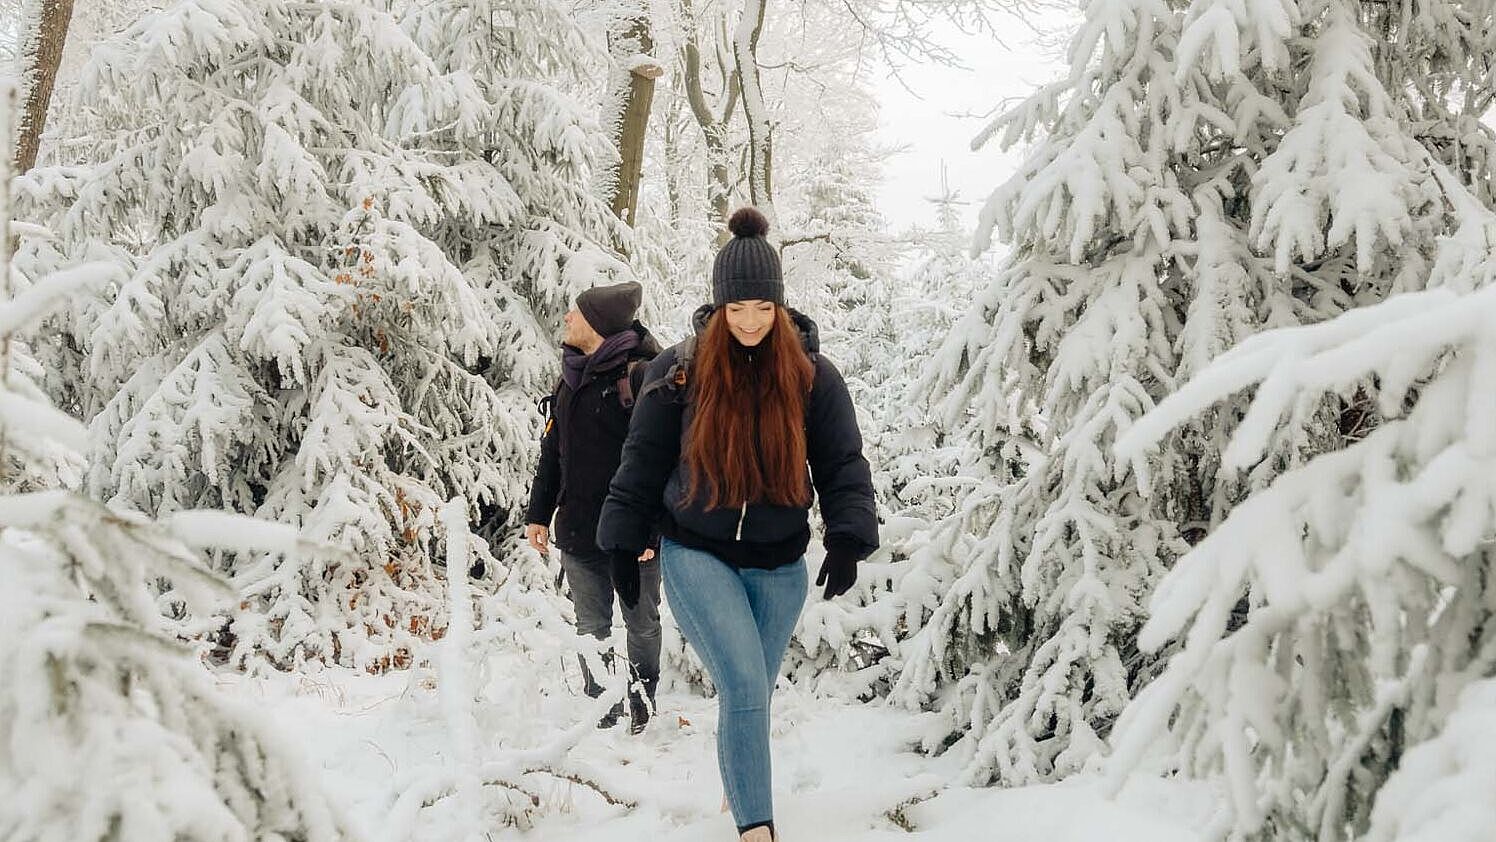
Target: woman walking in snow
point(716, 458)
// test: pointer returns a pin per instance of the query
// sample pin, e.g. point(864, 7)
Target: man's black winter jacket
point(580, 451)
point(648, 491)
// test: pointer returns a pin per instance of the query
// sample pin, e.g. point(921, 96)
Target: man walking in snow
point(603, 352)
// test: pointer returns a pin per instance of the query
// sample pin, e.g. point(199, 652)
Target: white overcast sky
point(943, 109)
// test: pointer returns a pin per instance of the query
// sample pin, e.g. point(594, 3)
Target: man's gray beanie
point(611, 309)
point(747, 266)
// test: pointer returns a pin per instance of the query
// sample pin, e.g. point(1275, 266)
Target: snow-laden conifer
point(1202, 172)
point(345, 235)
point(110, 728)
point(1342, 615)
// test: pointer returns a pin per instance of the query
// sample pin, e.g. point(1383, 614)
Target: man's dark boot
point(642, 704)
point(589, 684)
point(611, 718)
point(593, 689)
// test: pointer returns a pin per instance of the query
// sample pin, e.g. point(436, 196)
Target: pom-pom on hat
point(747, 266)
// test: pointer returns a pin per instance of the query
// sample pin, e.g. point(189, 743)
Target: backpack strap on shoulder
point(678, 375)
point(547, 407)
point(626, 384)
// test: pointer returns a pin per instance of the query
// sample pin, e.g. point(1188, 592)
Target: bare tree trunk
point(760, 140)
point(43, 53)
point(713, 127)
point(8, 101)
point(672, 158)
point(630, 42)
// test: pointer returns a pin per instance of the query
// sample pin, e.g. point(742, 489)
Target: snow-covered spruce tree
point(110, 729)
point(527, 71)
point(1202, 172)
point(336, 302)
point(840, 266)
point(1368, 573)
point(921, 475)
point(838, 257)
point(533, 67)
point(944, 490)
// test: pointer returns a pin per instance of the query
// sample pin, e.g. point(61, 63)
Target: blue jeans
point(739, 622)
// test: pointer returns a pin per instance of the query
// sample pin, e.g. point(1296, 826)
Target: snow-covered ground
point(842, 772)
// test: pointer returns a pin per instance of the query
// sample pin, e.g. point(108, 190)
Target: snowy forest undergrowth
point(1187, 490)
point(843, 771)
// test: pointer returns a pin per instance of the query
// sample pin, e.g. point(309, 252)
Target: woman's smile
point(749, 321)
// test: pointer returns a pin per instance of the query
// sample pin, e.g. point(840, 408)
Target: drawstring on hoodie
point(742, 516)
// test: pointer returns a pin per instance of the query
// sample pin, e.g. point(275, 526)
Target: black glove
point(839, 570)
point(626, 577)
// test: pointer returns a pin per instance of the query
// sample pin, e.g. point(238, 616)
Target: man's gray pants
point(591, 580)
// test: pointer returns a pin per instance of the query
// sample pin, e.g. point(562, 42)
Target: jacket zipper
point(743, 512)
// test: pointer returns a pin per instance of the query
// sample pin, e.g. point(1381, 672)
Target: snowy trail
point(839, 771)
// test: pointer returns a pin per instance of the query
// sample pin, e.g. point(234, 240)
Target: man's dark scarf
point(577, 366)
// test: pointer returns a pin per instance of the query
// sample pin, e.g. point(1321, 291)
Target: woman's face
point(750, 321)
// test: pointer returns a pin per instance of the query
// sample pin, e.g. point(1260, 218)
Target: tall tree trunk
point(713, 127)
point(760, 141)
point(42, 53)
point(673, 126)
point(630, 42)
point(8, 101)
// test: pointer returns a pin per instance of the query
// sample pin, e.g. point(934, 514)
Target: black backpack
point(678, 375)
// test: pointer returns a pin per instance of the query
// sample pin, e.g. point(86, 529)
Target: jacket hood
point(810, 333)
point(648, 346)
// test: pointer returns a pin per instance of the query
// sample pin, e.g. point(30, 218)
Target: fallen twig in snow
point(901, 819)
point(431, 789)
point(575, 778)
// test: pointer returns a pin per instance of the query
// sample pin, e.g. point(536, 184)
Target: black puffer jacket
point(648, 491)
point(581, 449)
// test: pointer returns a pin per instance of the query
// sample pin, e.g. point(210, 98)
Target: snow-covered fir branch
point(1333, 621)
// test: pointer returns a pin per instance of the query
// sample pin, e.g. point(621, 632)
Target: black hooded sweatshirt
point(648, 491)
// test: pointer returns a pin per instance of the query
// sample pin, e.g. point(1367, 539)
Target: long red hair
point(747, 439)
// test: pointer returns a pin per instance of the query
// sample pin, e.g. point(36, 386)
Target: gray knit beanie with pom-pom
point(747, 266)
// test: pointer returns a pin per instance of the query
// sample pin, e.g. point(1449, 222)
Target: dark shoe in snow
point(641, 704)
point(590, 686)
point(639, 711)
point(611, 717)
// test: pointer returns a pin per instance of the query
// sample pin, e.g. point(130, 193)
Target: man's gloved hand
point(838, 571)
point(626, 577)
